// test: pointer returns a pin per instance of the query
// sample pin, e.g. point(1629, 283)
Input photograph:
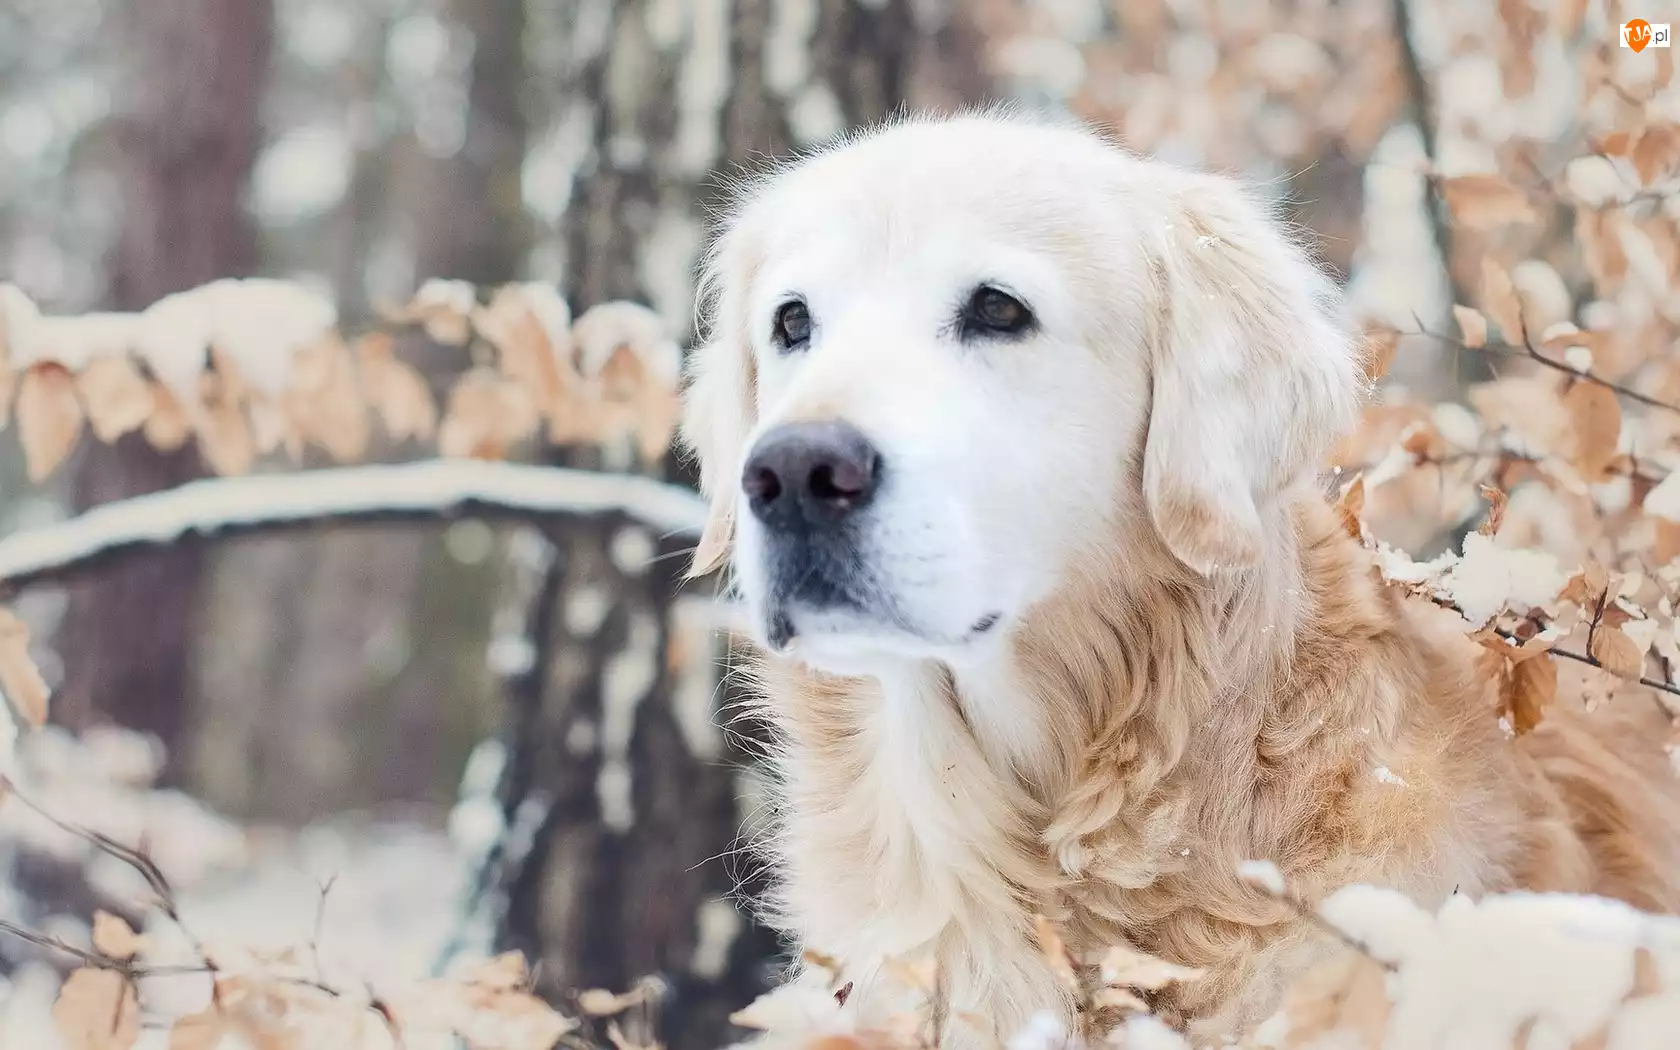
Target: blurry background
point(318, 695)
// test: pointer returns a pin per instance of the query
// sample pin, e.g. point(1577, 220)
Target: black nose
point(810, 474)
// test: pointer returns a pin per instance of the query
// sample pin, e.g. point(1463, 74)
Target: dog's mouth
point(785, 625)
point(821, 596)
point(854, 614)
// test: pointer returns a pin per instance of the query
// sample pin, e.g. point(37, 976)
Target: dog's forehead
point(924, 184)
point(938, 202)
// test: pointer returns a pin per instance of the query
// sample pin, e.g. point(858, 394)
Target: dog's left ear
point(720, 399)
point(1255, 372)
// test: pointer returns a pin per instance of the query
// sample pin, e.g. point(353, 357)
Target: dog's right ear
point(720, 397)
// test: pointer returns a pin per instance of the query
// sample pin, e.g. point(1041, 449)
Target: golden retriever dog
point(1012, 439)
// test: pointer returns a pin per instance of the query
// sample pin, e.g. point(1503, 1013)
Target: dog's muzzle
point(808, 484)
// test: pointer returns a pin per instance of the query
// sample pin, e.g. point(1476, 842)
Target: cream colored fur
point(1194, 667)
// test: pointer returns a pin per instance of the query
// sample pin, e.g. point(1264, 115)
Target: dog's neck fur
point(1074, 775)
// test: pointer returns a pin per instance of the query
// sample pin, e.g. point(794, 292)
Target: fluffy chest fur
point(1130, 755)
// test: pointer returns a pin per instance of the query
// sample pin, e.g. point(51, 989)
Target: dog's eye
point(791, 328)
point(991, 311)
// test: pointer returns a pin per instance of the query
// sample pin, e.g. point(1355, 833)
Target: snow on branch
point(256, 367)
point(424, 490)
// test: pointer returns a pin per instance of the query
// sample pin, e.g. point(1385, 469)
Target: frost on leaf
point(97, 1010)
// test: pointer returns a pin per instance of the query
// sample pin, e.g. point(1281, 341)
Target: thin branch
point(425, 491)
point(1592, 661)
point(1581, 658)
point(1529, 352)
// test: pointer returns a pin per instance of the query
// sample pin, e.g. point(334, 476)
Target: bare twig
point(1529, 352)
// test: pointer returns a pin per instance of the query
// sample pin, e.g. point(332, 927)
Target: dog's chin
point(859, 641)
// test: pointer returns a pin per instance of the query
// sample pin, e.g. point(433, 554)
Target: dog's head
point(948, 358)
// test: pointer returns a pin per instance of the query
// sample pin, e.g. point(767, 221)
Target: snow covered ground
point(393, 886)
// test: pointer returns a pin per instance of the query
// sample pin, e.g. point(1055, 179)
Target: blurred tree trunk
point(636, 791)
point(190, 139)
point(344, 668)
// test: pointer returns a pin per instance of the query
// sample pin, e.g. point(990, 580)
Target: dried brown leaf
point(1381, 342)
point(19, 677)
point(1346, 994)
point(114, 937)
point(1485, 202)
point(200, 1031)
point(1617, 653)
point(1532, 687)
point(1127, 967)
point(324, 401)
point(1567, 16)
point(487, 415)
point(1497, 502)
point(167, 425)
point(396, 391)
point(524, 350)
point(821, 961)
point(1350, 506)
point(1530, 406)
point(1597, 418)
point(224, 433)
point(1107, 998)
point(921, 973)
point(8, 378)
point(1472, 326)
point(620, 1041)
point(49, 417)
point(97, 1010)
point(1657, 153)
point(443, 308)
point(598, 1002)
point(506, 972)
point(1500, 302)
point(115, 396)
point(1055, 953)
